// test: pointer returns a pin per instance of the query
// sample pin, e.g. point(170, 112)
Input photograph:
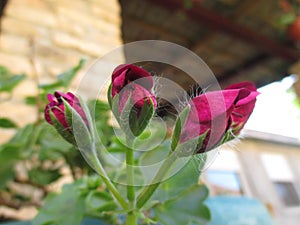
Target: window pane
point(287, 193)
point(224, 182)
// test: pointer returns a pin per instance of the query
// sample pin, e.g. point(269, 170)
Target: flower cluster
point(209, 120)
point(214, 114)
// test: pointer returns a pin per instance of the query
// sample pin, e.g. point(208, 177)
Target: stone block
point(16, 63)
point(112, 6)
point(67, 41)
point(87, 20)
point(15, 44)
point(107, 15)
point(22, 28)
point(30, 14)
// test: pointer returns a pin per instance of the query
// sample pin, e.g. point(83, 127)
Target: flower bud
point(59, 113)
point(131, 97)
point(218, 116)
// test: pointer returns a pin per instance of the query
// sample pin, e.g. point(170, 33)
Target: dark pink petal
point(209, 113)
point(212, 104)
point(59, 114)
point(47, 114)
point(132, 81)
point(56, 106)
point(51, 98)
point(250, 99)
point(138, 96)
point(118, 70)
point(118, 83)
point(69, 97)
point(244, 106)
point(246, 84)
point(132, 73)
point(127, 73)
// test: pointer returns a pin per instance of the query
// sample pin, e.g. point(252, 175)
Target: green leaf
point(65, 208)
point(180, 122)
point(43, 177)
point(99, 202)
point(52, 146)
point(188, 4)
point(69, 75)
point(187, 209)
point(18, 148)
point(31, 100)
point(7, 84)
point(76, 201)
point(187, 176)
point(7, 123)
point(287, 19)
point(3, 72)
point(7, 162)
point(64, 79)
point(21, 141)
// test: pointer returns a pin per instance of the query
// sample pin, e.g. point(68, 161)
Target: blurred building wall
point(43, 38)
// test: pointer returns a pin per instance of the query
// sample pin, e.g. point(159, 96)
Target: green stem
point(148, 191)
point(111, 187)
point(130, 177)
point(131, 218)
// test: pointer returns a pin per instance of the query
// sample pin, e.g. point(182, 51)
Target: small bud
point(131, 98)
point(59, 113)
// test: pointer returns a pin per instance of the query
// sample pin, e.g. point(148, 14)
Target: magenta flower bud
point(56, 114)
point(130, 80)
point(215, 113)
point(131, 88)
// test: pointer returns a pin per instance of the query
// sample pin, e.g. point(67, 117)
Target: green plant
point(145, 176)
point(35, 156)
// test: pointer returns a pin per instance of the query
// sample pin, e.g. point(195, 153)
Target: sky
point(275, 111)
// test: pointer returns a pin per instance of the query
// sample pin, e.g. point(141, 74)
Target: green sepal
point(130, 122)
point(230, 133)
point(64, 132)
point(80, 130)
point(125, 116)
point(109, 99)
point(190, 147)
point(139, 123)
point(180, 122)
point(115, 107)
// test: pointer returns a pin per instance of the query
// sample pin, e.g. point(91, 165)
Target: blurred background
point(239, 40)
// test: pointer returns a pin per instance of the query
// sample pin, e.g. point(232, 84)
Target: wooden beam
point(257, 60)
point(215, 21)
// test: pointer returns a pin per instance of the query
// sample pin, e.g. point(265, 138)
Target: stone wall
point(43, 38)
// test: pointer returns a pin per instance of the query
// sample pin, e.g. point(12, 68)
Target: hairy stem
point(130, 177)
point(148, 191)
point(110, 186)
